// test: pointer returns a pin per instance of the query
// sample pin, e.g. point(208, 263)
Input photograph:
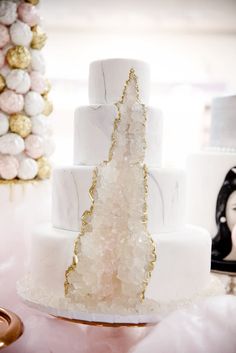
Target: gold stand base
point(11, 327)
point(105, 324)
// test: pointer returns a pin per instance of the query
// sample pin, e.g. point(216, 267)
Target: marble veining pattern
point(161, 196)
point(104, 83)
point(77, 195)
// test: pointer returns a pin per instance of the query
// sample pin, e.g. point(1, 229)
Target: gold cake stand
point(105, 324)
point(11, 327)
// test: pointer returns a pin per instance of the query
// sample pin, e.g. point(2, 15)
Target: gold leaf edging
point(84, 222)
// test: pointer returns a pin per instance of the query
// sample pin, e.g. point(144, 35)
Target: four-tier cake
point(118, 232)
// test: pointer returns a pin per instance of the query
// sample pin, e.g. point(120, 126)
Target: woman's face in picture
point(231, 210)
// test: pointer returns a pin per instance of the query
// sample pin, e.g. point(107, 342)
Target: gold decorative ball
point(48, 108)
point(33, 2)
point(47, 89)
point(44, 168)
point(39, 37)
point(2, 83)
point(18, 57)
point(20, 124)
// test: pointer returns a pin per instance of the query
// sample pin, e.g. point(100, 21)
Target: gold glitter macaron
point(2, 83)
point(20, 124)
point(18, 57)
point(48, 108)
point(39, 38)
point(32, 2)
point(44, 168)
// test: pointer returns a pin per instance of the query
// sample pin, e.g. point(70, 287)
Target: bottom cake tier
point(182, 270)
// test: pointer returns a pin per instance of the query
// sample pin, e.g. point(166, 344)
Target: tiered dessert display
point(25, 135)
point(212, 185)
point(25, 128)
point(122, 219)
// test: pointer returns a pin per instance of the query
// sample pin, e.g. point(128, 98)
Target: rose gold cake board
point(11, 327)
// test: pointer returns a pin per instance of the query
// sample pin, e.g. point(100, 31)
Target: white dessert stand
point(96, 319)
point(63, 309)
point(150, 313)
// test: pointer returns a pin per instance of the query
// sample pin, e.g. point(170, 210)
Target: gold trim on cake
point(84, 224)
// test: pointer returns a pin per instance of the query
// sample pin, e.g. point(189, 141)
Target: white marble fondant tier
point(206, 172)
point(93, 127)
point(50, 255)
point(182, 269)
point(223, 122)
point(166, 198)
point(107, 79)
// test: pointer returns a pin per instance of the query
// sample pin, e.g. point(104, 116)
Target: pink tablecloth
point(206, 328)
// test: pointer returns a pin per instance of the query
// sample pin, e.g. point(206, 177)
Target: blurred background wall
point(189, 44)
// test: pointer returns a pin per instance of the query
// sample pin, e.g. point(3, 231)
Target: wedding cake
point(117, 211)
point(212, 185)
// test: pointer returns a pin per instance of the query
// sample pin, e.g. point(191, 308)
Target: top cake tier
point(223, 123)
point(107, 78)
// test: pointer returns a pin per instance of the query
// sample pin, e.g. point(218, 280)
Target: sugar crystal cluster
point(114, 253)
point(25, 128)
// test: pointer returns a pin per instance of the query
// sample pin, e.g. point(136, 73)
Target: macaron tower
point(25, 126)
